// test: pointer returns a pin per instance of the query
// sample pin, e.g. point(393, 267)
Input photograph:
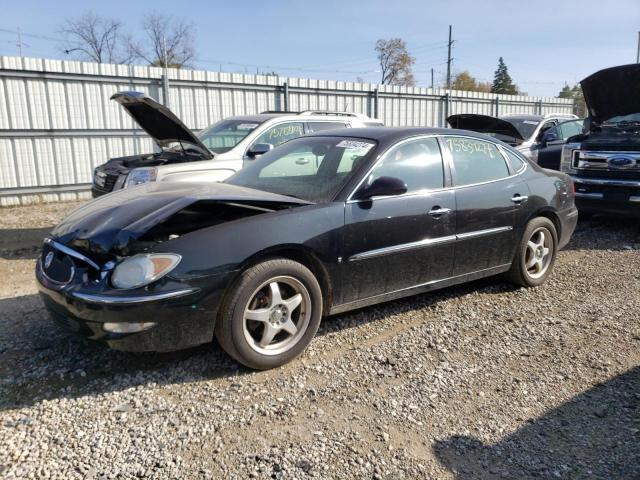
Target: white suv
point(212, 154)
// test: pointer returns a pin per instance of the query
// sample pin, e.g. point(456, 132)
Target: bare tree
point(170, 41)
point(95, 38)
point(395, 62)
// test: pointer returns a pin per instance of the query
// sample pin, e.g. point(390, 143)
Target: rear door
point(392, 243)
point(488, 198)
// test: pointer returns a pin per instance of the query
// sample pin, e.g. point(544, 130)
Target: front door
point(488, 198)
point(393, 243)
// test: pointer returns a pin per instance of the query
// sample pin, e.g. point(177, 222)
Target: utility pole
point(638, 54)
point(165, 73)
point(449, 59)
point(432, 79)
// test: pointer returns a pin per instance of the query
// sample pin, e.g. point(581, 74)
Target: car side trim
point(427, 242)
point(127, 300)
point(482, 233)
point(421, 288)
point(379, 252)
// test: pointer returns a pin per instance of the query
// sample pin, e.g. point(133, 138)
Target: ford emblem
point(621, 162)
point(48, 259)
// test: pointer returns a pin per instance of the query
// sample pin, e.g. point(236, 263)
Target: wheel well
point(306, 258)
point(551, 215)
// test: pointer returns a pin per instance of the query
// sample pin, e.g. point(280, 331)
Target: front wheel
point(270, 314)
point(536, 253)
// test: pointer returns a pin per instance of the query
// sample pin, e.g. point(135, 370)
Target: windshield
point(226, 134)
point(632, 118)
point(526, 127)
point(310, 168)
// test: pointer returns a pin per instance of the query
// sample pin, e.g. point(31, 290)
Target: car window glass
point(308, 159)
point(321, 126)
point(545, 126)
point(301, 161)
point(418, 164)
point(291, 169)
point(476, 161)
point(569, 129)
point(281, 133)
point(516, 162)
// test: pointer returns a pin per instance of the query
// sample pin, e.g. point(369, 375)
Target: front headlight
point(566, 162)
point(141, 270)
point(141, 175)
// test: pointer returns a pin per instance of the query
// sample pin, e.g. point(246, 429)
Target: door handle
point(437, 212)
point(517, 198)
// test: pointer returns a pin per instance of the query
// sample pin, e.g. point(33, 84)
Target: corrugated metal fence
point(57, 123)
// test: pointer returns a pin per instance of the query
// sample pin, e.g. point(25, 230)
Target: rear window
point(476, 161)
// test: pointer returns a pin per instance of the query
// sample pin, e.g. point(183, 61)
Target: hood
point(484, 124)
point(612, 92)
point(109, 223)
point(158, 121)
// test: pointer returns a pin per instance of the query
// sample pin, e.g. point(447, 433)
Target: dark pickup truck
point(604, 162)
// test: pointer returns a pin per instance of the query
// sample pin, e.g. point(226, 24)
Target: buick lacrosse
point(323, 224)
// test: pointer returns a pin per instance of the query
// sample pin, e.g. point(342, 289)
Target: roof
point(535, 118)
point(306, 116)
point(394, 134)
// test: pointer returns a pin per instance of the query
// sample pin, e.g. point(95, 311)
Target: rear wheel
point(270, 314)
point(536, 253)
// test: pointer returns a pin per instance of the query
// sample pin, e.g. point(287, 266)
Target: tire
point(524, 271)
point(262, 326)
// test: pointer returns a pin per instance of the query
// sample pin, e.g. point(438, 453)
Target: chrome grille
point(614, 161)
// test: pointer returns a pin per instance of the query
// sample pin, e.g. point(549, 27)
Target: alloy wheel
point(539, 252)
point(277, 315)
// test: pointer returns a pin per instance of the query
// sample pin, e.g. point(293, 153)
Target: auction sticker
point(354, 144)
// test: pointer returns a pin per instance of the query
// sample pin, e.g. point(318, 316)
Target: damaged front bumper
point(172, 317)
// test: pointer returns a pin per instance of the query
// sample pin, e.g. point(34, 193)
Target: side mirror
point(549, 137)
point(259, 149)
point(382, 187)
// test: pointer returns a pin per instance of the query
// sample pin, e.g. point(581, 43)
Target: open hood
point(484, 124)
point(613, 91)
point(158, 121)
point(112, 222)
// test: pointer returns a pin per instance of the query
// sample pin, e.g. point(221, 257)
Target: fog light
point(127, 327)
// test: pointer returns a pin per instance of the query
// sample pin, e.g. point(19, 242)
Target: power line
point(274, 67)
point(30, 35)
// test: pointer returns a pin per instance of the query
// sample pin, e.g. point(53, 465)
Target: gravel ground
point(476, 381)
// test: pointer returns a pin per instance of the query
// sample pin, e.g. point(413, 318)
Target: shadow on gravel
point(595, 435)
point(604, 233)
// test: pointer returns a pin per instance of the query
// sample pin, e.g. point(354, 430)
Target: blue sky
point(544, 43)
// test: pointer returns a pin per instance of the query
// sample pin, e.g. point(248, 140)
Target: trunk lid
point(485, 124)
point(612, 92)
point(158, 121)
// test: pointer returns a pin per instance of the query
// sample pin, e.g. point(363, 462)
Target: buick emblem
point(48, 259)
point(621, 162)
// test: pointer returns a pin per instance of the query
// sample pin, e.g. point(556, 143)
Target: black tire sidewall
point(254, 277)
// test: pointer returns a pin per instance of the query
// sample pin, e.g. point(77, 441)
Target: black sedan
point(321, 225)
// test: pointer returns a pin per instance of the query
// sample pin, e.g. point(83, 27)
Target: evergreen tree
point(502, 82)
point(575, 93)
